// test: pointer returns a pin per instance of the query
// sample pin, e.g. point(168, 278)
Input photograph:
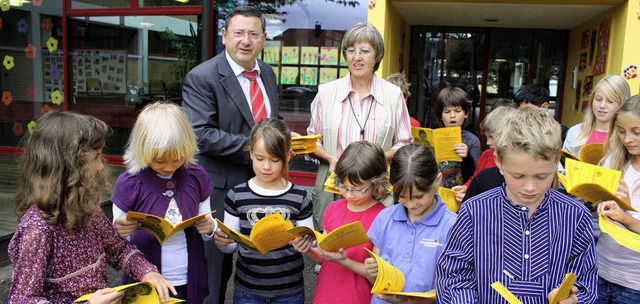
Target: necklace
point(362, 126)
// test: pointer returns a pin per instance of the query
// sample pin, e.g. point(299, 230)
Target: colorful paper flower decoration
point(54, 72)
point(4, 5)
point(52, 44)
point(45, 109)
point(23, 26)
point(56, 97)
point(17, 128)
point(631, 71)
point(46, 24)
point(7, 98)
point(30, 51)
point(8, 62)
point(32, 92)
point(31, 126)
point(37, 3)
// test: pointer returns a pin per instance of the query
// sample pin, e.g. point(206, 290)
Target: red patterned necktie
point(257, 100)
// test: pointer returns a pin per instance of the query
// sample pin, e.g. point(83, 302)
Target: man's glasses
point(362, 52)
point(354, 191)
point(252, 35)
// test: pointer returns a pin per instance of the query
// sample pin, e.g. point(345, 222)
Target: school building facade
point(108, 58)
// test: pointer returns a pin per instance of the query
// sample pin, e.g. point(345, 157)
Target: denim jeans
point(240, 297)
point(616, 294)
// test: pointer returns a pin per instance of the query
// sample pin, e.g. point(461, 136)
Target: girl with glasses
point(361, 174)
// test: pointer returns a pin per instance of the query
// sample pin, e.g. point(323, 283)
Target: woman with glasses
point(359, 106)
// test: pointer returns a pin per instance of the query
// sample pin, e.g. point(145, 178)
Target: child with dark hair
point(361, 176)
point(411, 235)
point(453, 108)
point(535, 96)
point(276, 276)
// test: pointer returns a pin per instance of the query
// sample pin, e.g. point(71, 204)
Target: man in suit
point(216, 97)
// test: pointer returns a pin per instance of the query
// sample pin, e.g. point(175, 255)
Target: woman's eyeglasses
point(361, 52)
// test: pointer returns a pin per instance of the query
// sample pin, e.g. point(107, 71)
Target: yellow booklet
point(269, 233)
point(390, 280)
point(565, 288)
point(330, 184)
point(345, 236)
point(441, 141)
point(563, 291)
point(592, 183)
point(305, 144)
point(589, 153)
point(135, 293)
point(621, 235)
point(160, 227)
point(448, 197)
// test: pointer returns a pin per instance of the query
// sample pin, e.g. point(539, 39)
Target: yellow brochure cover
point(441, 141)
point(345, 236)
point(135, 293)
point(390, 280)
point(269, 233)
point(159, 227)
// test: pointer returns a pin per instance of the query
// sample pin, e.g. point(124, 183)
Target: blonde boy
point(523, 234)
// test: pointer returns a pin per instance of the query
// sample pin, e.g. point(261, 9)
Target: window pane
point(119, 64)
point(89, 4)
point(169, 2)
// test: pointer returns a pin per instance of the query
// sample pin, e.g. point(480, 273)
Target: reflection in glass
point(90, 4)
point(120, 64)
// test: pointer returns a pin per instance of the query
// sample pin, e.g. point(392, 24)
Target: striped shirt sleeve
point(455, 275)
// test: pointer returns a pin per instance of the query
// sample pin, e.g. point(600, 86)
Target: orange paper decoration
point(7, 97)
point(30, 51)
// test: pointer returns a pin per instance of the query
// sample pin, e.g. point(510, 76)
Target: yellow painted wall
point(622, 51)
point(393, 28)
point(631, 52)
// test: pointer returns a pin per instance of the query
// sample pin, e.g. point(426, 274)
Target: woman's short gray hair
point(364, 32)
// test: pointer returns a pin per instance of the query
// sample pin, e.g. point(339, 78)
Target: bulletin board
point(106, 65)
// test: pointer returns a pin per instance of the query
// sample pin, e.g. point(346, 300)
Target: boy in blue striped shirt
point(523, 234)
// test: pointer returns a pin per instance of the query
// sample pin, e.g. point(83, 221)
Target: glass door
point(489, 64)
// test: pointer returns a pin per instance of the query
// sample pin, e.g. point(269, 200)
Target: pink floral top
point(52, 265)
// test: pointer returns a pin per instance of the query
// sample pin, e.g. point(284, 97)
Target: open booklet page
point(448, 197)
point(135, 293)
point(620, 234)
point(330, 184)
point(345, 236)
point(269, 233)
point(592, 183)
point(592, 153)
point(564, 290)
point(390, 280)
point(159, 227)
point(441, 141)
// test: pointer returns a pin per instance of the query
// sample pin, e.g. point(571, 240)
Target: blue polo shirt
point(413, 248)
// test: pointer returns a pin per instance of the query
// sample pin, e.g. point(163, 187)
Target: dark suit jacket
point(221, 118)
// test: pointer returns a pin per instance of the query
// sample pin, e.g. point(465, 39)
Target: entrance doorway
point(488, 63)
